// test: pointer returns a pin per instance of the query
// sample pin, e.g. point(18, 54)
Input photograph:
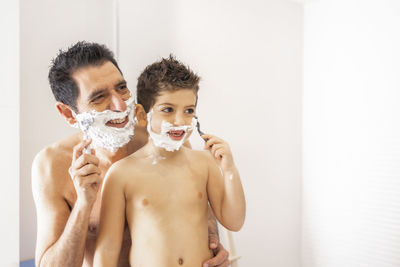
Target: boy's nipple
point(145, 202)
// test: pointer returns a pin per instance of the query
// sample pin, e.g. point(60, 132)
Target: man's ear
point(66, 112)
point(141, 115)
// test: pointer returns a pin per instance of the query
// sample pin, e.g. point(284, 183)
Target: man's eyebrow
point(122, 82)
point(96, 93)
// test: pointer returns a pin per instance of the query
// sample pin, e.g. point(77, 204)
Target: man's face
point(102, 88)
point(176, 107)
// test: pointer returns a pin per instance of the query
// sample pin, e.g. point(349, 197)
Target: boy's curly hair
point(166, 74)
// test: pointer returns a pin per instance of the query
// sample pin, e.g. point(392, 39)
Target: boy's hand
point(221, 258)
point(220, 151)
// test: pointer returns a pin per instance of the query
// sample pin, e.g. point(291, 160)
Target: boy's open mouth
point(176, 135)
point(118, 123)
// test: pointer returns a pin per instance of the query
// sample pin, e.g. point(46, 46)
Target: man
point(86, 79)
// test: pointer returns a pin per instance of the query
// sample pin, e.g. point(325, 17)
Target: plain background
point(249, 57)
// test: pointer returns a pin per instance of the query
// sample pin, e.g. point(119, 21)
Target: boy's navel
point(180, 261)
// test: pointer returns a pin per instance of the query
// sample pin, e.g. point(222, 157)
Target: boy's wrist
point(230, 171)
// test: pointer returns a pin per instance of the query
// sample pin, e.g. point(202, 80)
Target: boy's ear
point(66, 112)
point(141, 115)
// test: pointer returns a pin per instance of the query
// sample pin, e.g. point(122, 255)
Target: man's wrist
point(83, 205)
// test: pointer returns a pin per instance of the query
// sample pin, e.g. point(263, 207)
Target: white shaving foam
point(163, 140)
point(93, 124)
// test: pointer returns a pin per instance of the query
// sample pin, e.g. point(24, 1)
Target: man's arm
point(221, 256)
point(112, 220)
point(61, 232)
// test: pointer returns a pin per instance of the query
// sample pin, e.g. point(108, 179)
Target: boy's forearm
point(233, 203)
point(69, 249)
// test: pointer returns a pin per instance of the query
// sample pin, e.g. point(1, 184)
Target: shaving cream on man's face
point(93, 124)
point(171, 137)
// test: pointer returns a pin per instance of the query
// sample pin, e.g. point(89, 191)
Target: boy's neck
point(161, 152)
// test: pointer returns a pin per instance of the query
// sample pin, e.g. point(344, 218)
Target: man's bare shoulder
point(50, 166)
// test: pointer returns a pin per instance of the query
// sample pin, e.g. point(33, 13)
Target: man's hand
point(220, 151)
point(85, 174)
point(221, 256)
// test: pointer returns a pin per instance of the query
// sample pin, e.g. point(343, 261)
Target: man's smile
point(118, 123)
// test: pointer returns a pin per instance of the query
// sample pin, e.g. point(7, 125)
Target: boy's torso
point(166, 210)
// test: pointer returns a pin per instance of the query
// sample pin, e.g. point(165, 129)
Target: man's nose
point(117, 103)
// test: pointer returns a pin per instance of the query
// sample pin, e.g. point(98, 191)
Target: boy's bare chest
point(166, 187)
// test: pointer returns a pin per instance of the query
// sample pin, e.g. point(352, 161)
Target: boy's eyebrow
point(96, 93)
point(169, 104)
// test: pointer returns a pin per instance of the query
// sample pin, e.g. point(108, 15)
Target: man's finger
point(213, 242)
point(85, 159)
point(78, 149)
point(220, 258)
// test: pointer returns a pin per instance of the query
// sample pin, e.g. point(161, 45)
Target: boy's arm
point(112, 220)
point(224, 187)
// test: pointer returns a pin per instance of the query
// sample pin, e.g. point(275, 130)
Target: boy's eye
point(167, 110)
point(189, 111)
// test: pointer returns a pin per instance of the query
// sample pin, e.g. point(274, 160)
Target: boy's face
point(176, 107)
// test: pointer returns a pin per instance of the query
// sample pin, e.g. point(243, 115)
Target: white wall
point(351, 134)
point(9, 108)
point(249, 55)
point(46, 27)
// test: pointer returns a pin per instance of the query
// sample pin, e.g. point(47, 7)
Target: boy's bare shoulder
point(127, 167)
point(199, 154)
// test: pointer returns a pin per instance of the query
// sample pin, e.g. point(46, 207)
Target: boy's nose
point(117, 103)
point(179, 120)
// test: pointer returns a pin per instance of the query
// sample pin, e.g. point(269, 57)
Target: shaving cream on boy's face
point(171, 137)
point(93, 124)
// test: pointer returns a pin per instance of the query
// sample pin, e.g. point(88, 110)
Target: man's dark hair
point(81, 54)
point(166, 74)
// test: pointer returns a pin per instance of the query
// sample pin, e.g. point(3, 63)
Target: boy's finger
point(215, 148)
point(219, 153)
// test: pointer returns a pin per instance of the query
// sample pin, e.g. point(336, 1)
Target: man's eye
point(123, 89)
point(189, 111)
point(97, 99)
point(167, 110)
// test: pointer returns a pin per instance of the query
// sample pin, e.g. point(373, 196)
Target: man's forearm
point(212, 224)
point(69, 249)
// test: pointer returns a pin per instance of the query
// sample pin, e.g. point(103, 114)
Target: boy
point(163, 189)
